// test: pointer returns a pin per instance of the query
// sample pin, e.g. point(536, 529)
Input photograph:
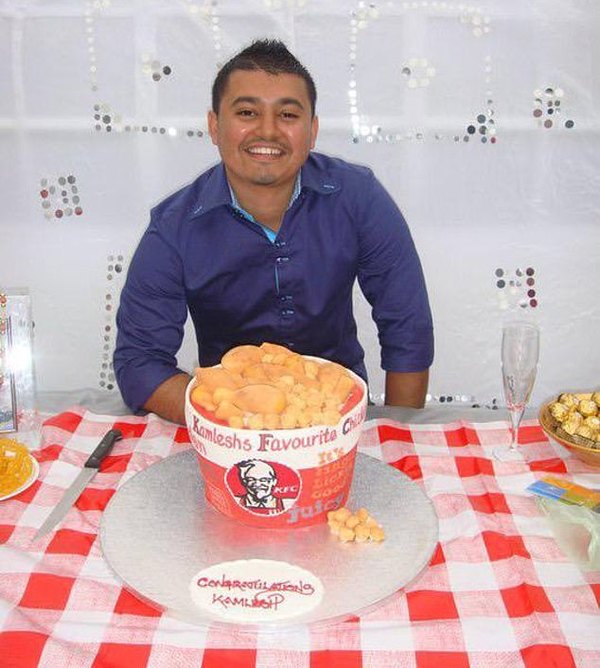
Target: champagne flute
point(520, 353)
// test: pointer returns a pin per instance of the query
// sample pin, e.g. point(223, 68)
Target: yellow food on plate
point(358, 527)
point(16, 465)
point(271, 387)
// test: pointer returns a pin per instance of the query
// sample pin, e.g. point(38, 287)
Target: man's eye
point(289, 115)
point(246, 112)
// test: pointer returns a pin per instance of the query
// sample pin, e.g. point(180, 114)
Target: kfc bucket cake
point(276, 434)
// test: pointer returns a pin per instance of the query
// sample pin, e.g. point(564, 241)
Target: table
point(498, 591)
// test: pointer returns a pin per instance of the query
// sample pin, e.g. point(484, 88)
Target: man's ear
point(213, 126)
point(314, 130)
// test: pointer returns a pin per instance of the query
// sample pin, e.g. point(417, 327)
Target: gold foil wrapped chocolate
point(572, 423)
point(593, 422)
point(585, 432)
point(577, 414)
point(587, 407)
point(559, 411)
point(568, 400)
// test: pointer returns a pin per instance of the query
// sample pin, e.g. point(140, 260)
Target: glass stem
point(515, 418)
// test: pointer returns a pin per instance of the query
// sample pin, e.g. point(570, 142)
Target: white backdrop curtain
point(481, 120)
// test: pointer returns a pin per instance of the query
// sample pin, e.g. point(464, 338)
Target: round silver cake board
point(158, 531)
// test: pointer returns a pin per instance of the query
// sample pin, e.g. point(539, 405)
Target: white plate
point(32, 478)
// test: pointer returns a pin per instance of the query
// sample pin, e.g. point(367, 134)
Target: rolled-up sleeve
point(150, 319)
point(391, 278)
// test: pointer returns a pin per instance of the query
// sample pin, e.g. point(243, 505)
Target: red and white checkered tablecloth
point(498, 591)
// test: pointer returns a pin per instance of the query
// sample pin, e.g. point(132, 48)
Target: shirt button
point(280, 244)
point(285, 298)
point(288, 311)
point(282, 259)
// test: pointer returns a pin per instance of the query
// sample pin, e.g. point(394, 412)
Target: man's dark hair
point(268, 55)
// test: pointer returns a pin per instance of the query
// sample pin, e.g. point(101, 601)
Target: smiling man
point(267, 245)
point(265, 127)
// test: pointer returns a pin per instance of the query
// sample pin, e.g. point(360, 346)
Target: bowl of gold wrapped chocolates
point(573, 420)
point(275, 433)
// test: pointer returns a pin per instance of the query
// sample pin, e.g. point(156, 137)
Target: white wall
point(529, 200)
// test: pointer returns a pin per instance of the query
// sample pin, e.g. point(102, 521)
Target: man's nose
point(268, 125)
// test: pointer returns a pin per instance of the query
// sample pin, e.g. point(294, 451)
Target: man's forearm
point(406, 389)
point(168, 400)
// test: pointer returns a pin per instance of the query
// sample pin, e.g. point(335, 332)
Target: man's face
point(259, 483)
point(264, 129)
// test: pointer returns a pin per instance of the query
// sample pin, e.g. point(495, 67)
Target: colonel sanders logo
point(263, 488)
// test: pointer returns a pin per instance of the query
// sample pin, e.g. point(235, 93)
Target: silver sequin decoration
point(58, 202)
point(547, 108)
point(207, 14)
point(115, 278)
point(417, 72)
point(516, 289)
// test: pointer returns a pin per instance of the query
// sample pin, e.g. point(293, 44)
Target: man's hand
point(168, 399)
point(406, 389)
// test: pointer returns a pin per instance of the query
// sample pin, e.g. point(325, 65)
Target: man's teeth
point(260, 150)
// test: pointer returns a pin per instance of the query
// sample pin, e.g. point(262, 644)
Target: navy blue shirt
point(199, 253)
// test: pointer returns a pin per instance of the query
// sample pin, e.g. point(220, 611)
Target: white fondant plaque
point(256, 590)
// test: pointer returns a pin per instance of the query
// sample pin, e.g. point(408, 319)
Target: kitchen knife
point(87, 473)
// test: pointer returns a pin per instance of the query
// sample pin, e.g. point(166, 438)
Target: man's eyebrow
point(291, 100)
point(249, 99)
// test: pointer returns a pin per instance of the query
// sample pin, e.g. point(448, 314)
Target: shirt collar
point(216, 191)
point(315, 178)
point(297, 187)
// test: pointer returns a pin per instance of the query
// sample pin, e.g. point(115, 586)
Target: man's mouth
point(269, 151)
